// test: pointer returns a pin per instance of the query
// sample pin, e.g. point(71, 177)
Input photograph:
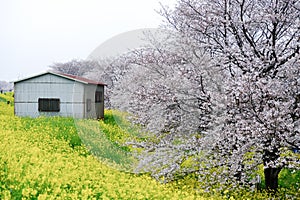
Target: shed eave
point(66, 76)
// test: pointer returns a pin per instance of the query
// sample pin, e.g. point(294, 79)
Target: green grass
point(8, 96)
point(2, 99)
point(96, 141)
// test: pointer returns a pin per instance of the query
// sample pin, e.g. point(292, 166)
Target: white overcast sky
point(36, 33)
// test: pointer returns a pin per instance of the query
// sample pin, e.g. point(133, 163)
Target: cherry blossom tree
point(75, 67)
point(256, 44)
point(172, 90)
point(110, 71)
point(223, 91)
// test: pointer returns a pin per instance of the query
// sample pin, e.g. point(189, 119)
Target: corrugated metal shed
point(58, 94)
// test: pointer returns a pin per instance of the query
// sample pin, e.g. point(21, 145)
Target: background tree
point(256, 44)
point(6, 86)
point(75, 67)
point(110, 71)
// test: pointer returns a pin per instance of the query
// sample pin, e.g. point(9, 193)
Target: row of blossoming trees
point(219, 89)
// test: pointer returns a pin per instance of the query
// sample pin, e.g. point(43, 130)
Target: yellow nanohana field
point(36, 164)
point(47, 158)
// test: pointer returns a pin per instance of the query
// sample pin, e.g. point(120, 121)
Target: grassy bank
point(63, 158)
point(44, 158)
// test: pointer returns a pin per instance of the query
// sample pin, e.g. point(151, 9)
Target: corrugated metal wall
point(73, 97)
point(69, 92)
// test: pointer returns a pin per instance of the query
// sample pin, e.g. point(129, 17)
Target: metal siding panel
point(32, 110)
point(90, 94)
point(18, 108)
point(70, 93)
point(77, 92)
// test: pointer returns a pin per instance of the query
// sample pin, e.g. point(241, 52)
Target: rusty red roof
point(80, 79)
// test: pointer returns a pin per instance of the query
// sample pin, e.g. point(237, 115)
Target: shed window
point(49, 105)
point(98, 97)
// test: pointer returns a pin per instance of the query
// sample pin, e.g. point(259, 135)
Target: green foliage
point(107, 139)
point(118, 129)
point(113, 131)
point(289, 179)
point(2, 99)
point(8, 96)
point(100, 146)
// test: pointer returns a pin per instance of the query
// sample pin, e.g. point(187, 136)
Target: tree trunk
point(271, 173)
point(271, 178)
